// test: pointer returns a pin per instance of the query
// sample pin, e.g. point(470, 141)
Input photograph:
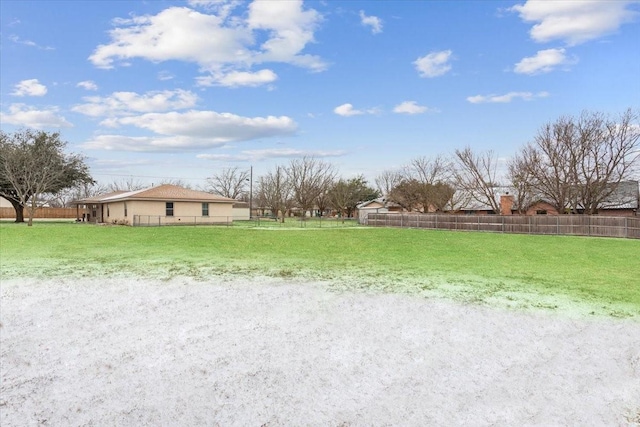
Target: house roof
point(96, 199)
point(380, 200)
point(166, 192)
point(626, 196)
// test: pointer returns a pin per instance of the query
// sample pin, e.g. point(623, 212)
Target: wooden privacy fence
point(575, 225)
point(42, 213)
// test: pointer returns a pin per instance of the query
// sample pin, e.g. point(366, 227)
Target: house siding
point(218, 212)
point(541, 206)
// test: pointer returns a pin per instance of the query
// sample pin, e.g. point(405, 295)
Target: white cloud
point(176, 33)
point(575, 21)
point(29, 43)
point(122, 103)
point(222, 8)
point(255, 155)
point(31, 87)
point(544, 61)
point(147, 143)
point(206, 3)
point(411, 107)
point(23, 115)
point(347, 110)
point(291, 152)
point(239, 78)
point(225, 157)
point(165, 75)
point(506, 98)
point(88, 85)
point(372, 21)
point(219, 44)
point(290, 29)
point(191, 130)
point(221, 127)
point(110, 164)
point(434, 64)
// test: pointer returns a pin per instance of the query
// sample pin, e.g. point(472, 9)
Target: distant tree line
point(303, 185)
point(573, 163)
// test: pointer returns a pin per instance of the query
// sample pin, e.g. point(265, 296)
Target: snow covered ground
point(281, 352)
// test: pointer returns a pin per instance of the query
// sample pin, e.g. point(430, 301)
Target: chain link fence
point(229, 221)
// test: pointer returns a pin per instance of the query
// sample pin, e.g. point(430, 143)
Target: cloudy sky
point(179, 89)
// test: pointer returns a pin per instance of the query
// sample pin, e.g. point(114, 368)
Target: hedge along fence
point(43, 213)
point(574, 225)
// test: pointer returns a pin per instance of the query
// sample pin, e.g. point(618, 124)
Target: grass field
point(596, 275)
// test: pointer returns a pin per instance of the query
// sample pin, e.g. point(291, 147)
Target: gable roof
point(96, 199)
point(625, 196)
point(166, 192)
point(380, 200)
point(365, 205)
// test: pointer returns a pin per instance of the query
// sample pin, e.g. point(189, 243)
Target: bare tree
point(522, 181)
point(32, 164)
point(429, 170)
point(80, 191)
point(309, 177)
point(274, 190)
point(126, 184)
point(608, 153)
point(476, 174)
point(176, 181)
point(577, 164)
point(229, 182)
point(323, 201)
point(548, 160)
point(387, 180)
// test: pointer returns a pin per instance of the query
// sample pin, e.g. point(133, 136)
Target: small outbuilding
point(162, 205)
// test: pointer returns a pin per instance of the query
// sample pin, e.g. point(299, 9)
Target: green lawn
point(600, 274)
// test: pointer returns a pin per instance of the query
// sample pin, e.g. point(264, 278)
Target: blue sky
point(180, 89)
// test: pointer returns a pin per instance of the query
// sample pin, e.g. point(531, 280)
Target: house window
point(108, 211)
point(125, 208)
point(169, 209)
point(205, 209)
point(541, 212)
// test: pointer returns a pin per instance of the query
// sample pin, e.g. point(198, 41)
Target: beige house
point(162, 205)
